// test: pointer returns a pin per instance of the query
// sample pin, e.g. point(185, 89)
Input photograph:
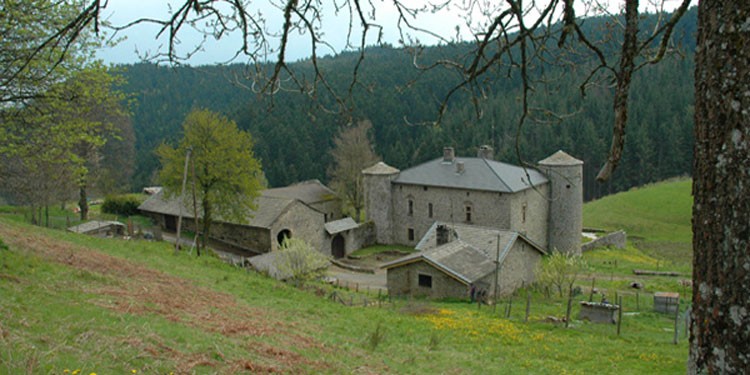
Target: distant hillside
point(294, 139)
point(657, 217)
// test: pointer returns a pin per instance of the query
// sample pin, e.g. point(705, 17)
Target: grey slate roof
point(483, 238)
point(311, 191)
point(560, 158)
point(269, 208)
point(478, 174)
point(470, 254)
point(458, 259)
point(93, 225)
point(341, 225)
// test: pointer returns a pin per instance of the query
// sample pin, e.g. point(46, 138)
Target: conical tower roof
point(560, 158)
point(380, 168)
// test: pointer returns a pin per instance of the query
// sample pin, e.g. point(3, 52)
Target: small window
point(425, 281)
point(325, 218)
point(411, 234)
point(411, 207)
point(468, 214)
point(424, 188)
point(429, 210)
point(523, 213)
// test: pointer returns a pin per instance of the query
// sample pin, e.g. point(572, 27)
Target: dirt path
point(141, 290)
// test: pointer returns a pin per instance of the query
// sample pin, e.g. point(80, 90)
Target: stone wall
point(533, 222)
point(518, 267)
point(615, 239)
point(404, 280)
point(302, 222)
point(490, 209)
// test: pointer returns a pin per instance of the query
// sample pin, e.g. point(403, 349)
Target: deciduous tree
point(351, 154)
point(226, 174)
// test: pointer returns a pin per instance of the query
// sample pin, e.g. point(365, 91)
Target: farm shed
point(100, 228)
point(453, 257)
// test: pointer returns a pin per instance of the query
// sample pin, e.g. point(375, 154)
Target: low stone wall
point(616, 239)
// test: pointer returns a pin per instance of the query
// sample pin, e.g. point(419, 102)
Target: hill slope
point(656, 216)
point(111, 307)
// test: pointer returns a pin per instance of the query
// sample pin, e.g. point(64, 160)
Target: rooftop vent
point(485, 152)
point(460, 167)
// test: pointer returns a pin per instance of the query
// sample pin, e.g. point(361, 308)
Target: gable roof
point(488, 240)
point(310, 192)
point(458, 259)
point(268, 208)
point(478, 174)
point(380, 168)
point(470, 254)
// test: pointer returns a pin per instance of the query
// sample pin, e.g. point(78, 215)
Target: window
point(523, 213)
point(425, 280)
point(411, 207)
point(424, 188)
point(411, 234)
point(468, 214)
point(429, 210)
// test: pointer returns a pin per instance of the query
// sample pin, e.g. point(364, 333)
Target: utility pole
point(497, 269)
point(182, 194)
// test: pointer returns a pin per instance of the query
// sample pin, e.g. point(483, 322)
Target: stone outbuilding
point(453, 258)
point(543, 205)
point(278, 214)
point(100, 228)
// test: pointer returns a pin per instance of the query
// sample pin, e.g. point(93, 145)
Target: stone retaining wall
point(616, 239)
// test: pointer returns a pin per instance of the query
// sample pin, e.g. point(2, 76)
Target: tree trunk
point(720, 328)
point(83, 203)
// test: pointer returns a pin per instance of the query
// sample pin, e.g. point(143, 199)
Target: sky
point(141, 40)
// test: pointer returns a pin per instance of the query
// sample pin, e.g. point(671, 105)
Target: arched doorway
point(338, 246)
point(285, 233)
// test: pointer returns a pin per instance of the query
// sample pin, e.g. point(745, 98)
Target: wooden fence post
point(619, 315)
point(528, 305)
point(570, 307)
point(676, 321)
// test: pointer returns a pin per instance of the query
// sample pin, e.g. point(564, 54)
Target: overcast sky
point(141, 39)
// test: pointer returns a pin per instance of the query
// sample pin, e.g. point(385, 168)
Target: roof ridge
point(486, 162)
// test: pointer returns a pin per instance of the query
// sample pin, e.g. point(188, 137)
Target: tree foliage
point(298, 262)
point(35, 53)
point(225, 176)
point(53, 145)
point(352, 153)
point(560, 271)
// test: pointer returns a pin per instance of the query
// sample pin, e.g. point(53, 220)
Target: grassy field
point(104, 306)
point(656, 218)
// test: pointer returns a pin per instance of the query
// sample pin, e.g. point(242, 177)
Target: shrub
point(560, 271)
point(123, 205)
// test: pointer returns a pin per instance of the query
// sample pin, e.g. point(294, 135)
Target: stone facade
point(517, 269)
point(545, 207)
point(403, 281)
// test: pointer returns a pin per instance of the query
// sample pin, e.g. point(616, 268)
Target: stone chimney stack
point(460, 168)
point(485, 152)
point(448, 155)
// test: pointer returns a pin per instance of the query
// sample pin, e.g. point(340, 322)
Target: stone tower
point(378, 199)
point(565, 174)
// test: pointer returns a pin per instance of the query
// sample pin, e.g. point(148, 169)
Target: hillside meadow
point(75, 303)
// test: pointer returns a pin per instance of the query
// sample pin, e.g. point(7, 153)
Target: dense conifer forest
point(294, 133)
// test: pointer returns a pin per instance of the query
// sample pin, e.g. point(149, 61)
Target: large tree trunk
point(720, 331)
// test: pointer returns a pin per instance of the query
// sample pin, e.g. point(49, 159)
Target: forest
point(294, 133)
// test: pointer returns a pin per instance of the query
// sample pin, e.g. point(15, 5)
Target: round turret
point(378, 199)
point(565, 174)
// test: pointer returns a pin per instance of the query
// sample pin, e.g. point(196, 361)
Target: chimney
point(485, 152)
point(448, 155)
point(460, 167)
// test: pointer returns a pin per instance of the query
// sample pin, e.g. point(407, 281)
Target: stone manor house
point(474, 220)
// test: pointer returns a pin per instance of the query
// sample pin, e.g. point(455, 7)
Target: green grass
point(656, 217)
point(59, 315)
